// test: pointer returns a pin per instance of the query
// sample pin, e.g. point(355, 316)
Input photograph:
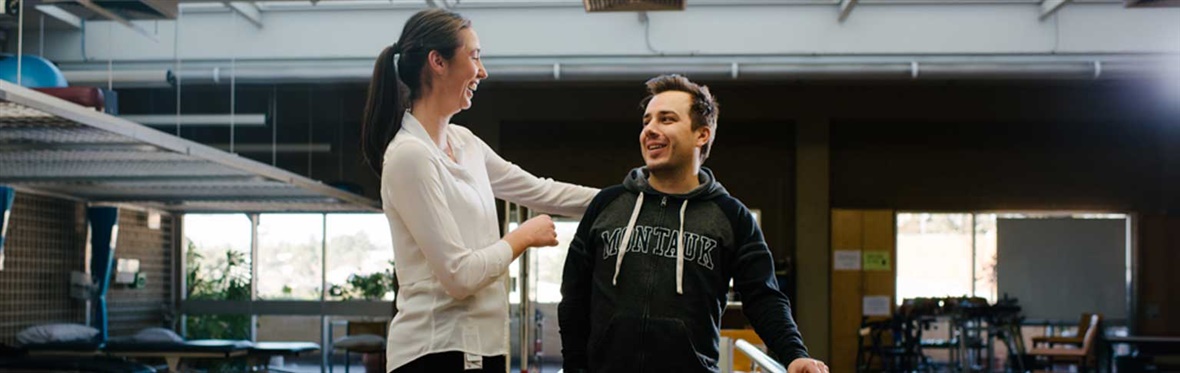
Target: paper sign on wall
point(876, 305)
point(846, 260)
point(876, 261)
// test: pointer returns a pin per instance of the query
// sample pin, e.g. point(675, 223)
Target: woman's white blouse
point(450, 260)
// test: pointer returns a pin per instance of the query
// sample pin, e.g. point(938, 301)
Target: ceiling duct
point(632, 5)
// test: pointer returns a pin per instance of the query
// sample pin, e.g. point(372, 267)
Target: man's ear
point(704, 134)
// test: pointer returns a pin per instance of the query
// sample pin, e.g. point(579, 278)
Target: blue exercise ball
point(38, 72)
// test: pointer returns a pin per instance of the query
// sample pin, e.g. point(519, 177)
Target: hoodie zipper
point(650, 283)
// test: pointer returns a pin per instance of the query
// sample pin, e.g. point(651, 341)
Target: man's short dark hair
point(703, 111)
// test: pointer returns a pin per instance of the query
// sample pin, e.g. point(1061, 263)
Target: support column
point(7, 195)
point(812, 220)
point(104, 232)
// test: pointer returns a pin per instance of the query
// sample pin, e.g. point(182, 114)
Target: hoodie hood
point(636, 181)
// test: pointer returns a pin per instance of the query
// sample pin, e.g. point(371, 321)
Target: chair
point(889, 342)
point(364, 337)
point(1081, 354)
point(1075, 341)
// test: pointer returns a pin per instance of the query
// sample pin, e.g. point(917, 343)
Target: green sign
point(876, 260)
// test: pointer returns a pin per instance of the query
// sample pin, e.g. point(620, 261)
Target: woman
point(439, 183)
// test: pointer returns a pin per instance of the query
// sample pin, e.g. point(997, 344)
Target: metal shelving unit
point(57, 147)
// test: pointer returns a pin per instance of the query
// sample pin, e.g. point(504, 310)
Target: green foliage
point(372, 286)
point(226, 278)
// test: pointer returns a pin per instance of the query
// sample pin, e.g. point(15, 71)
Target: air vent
point(632, 5)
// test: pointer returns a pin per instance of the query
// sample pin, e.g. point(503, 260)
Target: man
point(632, 300)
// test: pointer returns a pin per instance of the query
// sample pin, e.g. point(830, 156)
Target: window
point(360, 257)
point(290, 249)
point(297, 254)
point(291, 256)
point(958, 254)
point(936, 256)
point(217, 256)
point(986, 257)
point(217, 264)
point(548, 265)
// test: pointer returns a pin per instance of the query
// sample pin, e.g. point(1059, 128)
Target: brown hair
point(703, 111)
point(428, 30)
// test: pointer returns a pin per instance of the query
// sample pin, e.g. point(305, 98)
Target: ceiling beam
point(115, 17)
point(247, 10)
point(61, 15)
point(1048, 7)
point(846, 8)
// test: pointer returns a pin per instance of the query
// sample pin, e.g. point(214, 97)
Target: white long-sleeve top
point(446, 239)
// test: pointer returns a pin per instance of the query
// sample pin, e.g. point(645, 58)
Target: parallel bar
point(758, 357)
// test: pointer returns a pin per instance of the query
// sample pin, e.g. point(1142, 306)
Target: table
point(1149, 346)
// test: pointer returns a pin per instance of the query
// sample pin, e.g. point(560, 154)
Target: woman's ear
point(436, 62)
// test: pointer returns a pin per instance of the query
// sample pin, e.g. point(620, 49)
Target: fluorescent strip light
point(243, 120)
point(277, 148)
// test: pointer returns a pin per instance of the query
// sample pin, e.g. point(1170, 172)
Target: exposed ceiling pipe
point(120, 78)
point(586, 71)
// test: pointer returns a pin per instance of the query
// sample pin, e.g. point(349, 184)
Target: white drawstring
point(626, 239)
point(680, 252)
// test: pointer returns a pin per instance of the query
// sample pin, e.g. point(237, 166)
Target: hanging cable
point(110, 57)
point(274, 123)
point(20, 41)
point(178, 63)
point(233, 84)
